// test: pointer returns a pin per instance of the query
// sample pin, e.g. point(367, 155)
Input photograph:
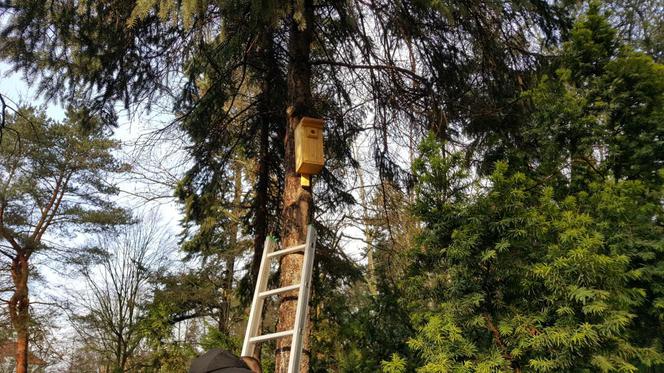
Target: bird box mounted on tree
point(309, 158)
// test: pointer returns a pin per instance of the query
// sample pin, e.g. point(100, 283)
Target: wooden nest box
point(309, 157)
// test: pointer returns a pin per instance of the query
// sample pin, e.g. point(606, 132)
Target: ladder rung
point(267, 337)
point(292, 249)
point(279, 290)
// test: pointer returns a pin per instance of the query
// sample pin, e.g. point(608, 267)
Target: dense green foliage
point(554, 261)
point(514, 278)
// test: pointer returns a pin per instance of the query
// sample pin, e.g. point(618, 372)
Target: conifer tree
point(54, 182)
point(551, 264)
point(514, 279)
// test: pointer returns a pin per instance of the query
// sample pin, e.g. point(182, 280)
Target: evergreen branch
point(401, 70)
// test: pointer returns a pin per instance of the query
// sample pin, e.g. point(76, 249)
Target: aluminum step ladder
point(251, 336)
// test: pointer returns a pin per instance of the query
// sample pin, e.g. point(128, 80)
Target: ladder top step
point(288, 250)
point(284, 289)
point(267, 337)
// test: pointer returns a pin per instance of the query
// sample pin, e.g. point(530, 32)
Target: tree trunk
point(270, 110)
point(19, 310)
point(271, 106)
point(368, 236)
point(123, 360)
point(261, 201)
point(262, 188)
point(225, 317)
point(297, 200)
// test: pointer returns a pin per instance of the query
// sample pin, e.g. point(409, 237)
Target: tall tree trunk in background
point(271, 107)
point(296, 200)
point(368, 234)
point(232, 244)
point(19, 310)
point(260, 204)
point(266, 112)
point(261, 200)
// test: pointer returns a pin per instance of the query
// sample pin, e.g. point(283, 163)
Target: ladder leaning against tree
point(252, 337)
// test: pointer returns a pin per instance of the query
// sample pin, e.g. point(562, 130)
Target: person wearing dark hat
point(221, 361)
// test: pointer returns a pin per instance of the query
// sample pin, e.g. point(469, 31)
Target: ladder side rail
point(303, 302)
point(256, 311)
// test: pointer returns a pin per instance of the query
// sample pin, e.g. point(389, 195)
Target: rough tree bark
point(296, 200)
point(19, 309)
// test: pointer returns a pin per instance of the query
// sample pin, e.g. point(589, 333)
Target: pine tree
point(54, 182)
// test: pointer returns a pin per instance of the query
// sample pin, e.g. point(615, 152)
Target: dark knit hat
point(218, 361)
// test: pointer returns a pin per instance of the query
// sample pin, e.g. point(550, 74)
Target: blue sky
point(18, 91)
